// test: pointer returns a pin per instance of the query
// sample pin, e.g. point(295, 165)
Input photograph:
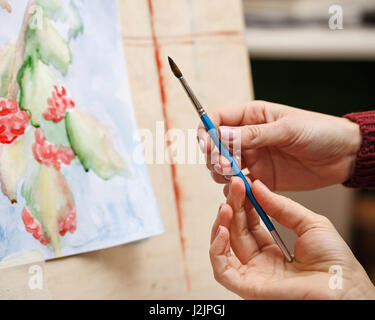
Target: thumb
point(256, 136)
point(287, 212)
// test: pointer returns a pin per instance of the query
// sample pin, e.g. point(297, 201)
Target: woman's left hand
point(246, 261)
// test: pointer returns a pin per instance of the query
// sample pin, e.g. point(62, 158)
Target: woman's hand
point(246, 261)
point(287, 148)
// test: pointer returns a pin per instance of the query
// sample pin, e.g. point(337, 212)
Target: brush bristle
point(176, 71)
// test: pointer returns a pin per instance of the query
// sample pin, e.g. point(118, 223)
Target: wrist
point(354, 144)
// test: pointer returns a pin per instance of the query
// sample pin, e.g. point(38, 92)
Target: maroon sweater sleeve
point(364, 169)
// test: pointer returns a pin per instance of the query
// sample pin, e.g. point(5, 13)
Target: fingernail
point(228, 177)
point(224, 162)
point(227, 133)
point(201, 146)
point(218, 231)
point(217, 168)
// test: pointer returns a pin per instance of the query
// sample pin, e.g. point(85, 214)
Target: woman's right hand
point(288, 149)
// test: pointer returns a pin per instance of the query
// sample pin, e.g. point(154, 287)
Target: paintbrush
point(212, 131)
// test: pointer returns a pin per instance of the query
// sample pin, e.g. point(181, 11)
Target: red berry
point(13, 121)
point(34, 226)
point(49, 154)
point(58, 105)
point(69, 223)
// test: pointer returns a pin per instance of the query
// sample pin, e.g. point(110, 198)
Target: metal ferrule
point(192, 97)
point(281, 245)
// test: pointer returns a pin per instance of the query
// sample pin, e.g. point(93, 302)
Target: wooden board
point(206, 38)
point(22, 277)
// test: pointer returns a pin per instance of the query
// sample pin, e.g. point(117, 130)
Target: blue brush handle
point(212, 131)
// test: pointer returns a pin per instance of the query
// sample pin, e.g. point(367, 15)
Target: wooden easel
point(207, 40)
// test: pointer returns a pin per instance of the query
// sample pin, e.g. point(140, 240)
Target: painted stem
point(20, 51)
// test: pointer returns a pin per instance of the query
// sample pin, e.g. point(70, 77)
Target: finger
point(226, 186)
point(220, 168)
point(205, 143)
point(215, 158)
point(253, 112)
point(252, 117)
point(277, 133)
point(226, 190)
point(224, 218)
point(242, 241)
point(211, 159)
point(222, 172)
point(215, 225)
point(219, 178)
point(252, 221)
point(229, 115)
point(285, 211)
point(212, 154)
point(260, 234)
point(220, 256)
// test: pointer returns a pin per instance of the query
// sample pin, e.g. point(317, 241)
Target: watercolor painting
point(69, 183)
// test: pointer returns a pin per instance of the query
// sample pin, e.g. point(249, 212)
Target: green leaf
point(93, 146)
point(49, 199)
point(75, 21)
point(53, 9)
point(36, 81)
point(43, 40)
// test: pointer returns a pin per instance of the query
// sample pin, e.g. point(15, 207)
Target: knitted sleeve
point(364, 170)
